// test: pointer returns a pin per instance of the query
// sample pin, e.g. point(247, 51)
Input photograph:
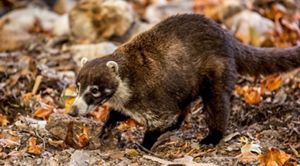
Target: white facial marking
point(106, 90)
point(80, 103)
point(94, 89)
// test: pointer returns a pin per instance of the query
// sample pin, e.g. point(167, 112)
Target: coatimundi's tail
point(255, 61)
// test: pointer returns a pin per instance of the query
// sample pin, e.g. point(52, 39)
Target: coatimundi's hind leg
point(216, 94)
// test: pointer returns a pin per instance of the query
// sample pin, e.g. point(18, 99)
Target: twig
point(37, 83)
point(37, 134)
point(145, 150)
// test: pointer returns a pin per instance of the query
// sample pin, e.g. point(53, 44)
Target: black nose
point(74, 111)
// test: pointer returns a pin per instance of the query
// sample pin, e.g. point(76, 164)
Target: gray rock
point(245, 21)
point(79, 158)
point(91, 51)
point(159, 11)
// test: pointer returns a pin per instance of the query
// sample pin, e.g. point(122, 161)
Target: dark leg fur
point(216, 99)
point(114, 117)
point(151, 136)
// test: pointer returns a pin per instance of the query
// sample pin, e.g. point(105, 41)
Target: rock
point(91, 51)
point(79, 158)
point(77, 132)
point(61, 26)
point(249, 26)
point(280, 97)
point(11, 40)
point(229, 8)
point(159, 11)
point(25, 19)
point(98, 20)
point(219, 9)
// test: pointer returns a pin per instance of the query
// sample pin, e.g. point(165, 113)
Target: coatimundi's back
point(155, 76)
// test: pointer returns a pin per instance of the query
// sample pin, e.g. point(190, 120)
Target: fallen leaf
point(57, 143)
point(44, 111)
point(131, 152)
point(101, 113)
point(239, 90)
point(3, 155)
point(252, 95)
point(33, 148)
point(247, 157)
point(128, 124)
point(3, 120)
point(84, 137)
point(250, 147)
point(68, 96)
point(274, 157)
point(68, 104)
point(26, 98)
point(8, 143)
point(272, 82)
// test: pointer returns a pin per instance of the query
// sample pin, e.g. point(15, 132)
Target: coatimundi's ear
point(83, 61)
point(113, 66)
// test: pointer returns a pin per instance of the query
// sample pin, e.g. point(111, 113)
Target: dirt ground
point(274, 122)
point(265, 126)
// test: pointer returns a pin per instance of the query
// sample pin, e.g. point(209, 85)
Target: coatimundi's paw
point(214, 137)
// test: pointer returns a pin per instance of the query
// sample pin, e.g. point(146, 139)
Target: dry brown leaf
point(272, 82)
point(57, 143)
point(274, 157)
point(129, 123)
point(84, 137)
point(68, 96)
point(68, 104)
point(243, 38)
point(252, 95)
point(3, 155)
point(44, 111)
point(3, 120)
point(101, 113)
point(10, 143)
point(33, 148)
point(131, 152)
point(247, 157)
point(26, 98)
point(239, 90)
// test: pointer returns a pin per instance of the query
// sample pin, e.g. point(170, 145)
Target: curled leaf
point(252, 95)
point(3, 120)
point(101, 113)
point(33, 148)
point(44, 111)
point(68, 96)
point(84, 137)
point(273, 157)
point(272, 82)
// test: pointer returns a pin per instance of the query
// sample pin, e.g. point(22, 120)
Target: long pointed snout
point(74, 110)
point(79, 107)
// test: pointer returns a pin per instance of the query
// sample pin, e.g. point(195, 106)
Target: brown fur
point(184, 56)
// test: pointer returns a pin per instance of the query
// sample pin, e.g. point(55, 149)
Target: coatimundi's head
point(97, 82)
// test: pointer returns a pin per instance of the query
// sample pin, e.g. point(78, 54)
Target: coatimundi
point(156, 75)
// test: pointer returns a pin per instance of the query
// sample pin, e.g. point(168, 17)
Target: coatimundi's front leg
point(216, 94)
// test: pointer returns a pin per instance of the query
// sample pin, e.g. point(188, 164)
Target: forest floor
point(264, 126)
point(273, 122)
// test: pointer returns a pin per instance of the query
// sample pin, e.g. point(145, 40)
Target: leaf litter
point(37, 83)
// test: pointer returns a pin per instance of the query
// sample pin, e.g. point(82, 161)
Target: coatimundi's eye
point(95, 91)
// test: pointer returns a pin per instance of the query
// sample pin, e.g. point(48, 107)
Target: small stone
point(79, 158)
point(132, 152)
point(77, 132)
